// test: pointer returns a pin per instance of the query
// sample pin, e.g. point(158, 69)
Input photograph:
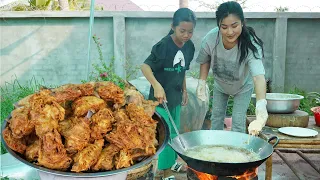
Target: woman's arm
point(260, 86)
point(184, 92)
point(158, 89)
point(147, 72)
point(204, 70)
point(184, 86)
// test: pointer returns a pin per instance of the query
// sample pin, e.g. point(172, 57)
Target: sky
point(252, 5)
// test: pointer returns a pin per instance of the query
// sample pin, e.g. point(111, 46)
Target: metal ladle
point(164, 104)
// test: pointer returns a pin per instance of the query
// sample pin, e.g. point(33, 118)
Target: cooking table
point(289, 142)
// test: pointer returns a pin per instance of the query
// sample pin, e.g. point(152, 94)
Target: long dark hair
point(183, 14)
point(245, 43)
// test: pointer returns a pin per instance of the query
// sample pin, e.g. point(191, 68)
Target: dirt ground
point(280, 170)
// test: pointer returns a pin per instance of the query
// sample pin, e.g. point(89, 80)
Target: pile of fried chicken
point(90, 127)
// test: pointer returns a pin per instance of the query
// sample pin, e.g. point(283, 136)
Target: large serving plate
point(162, 137)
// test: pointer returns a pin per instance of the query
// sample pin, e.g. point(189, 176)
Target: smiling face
point(230, 29)
point(183, 31)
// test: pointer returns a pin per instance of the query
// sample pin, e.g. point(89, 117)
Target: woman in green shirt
point(165, 69)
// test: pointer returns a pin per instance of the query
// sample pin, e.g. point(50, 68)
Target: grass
point(11, 93)
point(310, 100)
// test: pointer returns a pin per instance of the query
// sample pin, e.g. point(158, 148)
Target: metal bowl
point(280, 102)
point(162, 137)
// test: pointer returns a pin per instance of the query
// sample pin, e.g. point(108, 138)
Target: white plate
point(298, 131)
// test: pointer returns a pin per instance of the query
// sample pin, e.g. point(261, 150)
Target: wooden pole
point(183, 3)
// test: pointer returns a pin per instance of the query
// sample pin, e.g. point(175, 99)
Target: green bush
point(106, 72)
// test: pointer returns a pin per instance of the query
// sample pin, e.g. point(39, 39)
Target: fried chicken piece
point(101, 123)
point(18, 145)
point(86, 158)
point(82, 105)
point(52, 153)
point(149, 106)
point(123, 159)
point(137, 114)
point(45, 112)
point(38, 100)
point(20, 124)
point(68, 92)
point(87, 89)
point(137, 154)
point(131, 135)
point(106, 158)
point(46, 119)
point(24, 101)
point(110, 92)
point(133, 96)
point(120, 115)
point(76, 134)
point(32, 151)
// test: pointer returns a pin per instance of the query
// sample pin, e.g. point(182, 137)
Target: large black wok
point(220, 137)
point(162, 137)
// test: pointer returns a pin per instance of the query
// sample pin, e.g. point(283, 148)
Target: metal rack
point(300, 152)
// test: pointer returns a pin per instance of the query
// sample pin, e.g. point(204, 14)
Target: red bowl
point(316, 113)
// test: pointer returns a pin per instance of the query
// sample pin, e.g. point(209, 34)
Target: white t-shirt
point(230, 77)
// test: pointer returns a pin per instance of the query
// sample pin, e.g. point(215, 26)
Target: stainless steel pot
point(220, 137)
point(162, 136)
point(281, 102)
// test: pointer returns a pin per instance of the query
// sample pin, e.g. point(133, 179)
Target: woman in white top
point(234, 53)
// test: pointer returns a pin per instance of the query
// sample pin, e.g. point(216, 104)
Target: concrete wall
point(53, 45)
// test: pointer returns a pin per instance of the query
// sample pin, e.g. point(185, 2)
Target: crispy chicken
point(101, 123)
point(18, 145)
point(52, 153)
point(106, 158)
point(76, 133)
point(136, 154)
point(120, 115)
point(123, 159)
point(38, 100)
point(135, 97)
point(20, 124)
point(86, 158)
point(137, 114)
point(24, 101)
point(47, 118)
point(87, 89)
point(149, 107)
point(65, 93)
point(55, 128)
point(131, 135)
point(110, 92)
point(82, 105)
point(32, 151)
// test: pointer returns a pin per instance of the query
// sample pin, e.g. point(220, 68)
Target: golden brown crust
point(54, 128)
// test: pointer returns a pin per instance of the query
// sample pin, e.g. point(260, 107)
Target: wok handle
point(272, 138)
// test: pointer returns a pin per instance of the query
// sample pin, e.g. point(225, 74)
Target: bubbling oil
point(222, 153)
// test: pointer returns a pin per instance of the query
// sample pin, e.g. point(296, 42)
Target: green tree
point(281, 9)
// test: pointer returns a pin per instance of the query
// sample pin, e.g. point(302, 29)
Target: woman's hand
point(201, 90)
point(262, 116)
point(159, 93)
point(184, 98)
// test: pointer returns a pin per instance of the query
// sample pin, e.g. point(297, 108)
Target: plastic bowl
point(279, 103)
point(316, 113)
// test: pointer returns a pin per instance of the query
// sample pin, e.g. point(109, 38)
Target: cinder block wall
point(53, 46)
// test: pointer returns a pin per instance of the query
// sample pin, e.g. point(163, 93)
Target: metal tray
point(162, 137)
